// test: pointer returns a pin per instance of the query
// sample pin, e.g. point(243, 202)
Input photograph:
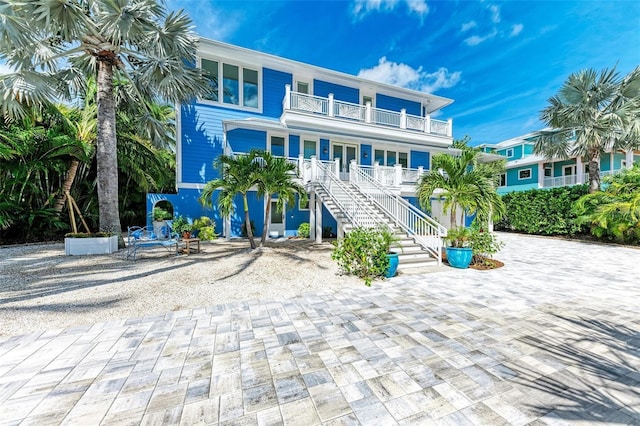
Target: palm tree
point(593, 112)
point(239, 174)
point(464, 182)
point(55, 46)
point(276, 176)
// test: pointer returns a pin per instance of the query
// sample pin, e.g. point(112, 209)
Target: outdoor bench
point(140, 237)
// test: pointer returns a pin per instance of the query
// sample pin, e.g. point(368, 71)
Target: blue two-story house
point(359, 145)
point(527, 170)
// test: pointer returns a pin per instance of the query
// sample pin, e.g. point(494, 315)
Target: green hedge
point(543, 211)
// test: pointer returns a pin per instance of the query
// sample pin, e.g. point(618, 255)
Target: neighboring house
point(359, 145)
point(527, 170)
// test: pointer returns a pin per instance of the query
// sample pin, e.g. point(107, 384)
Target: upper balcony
point(309, 111)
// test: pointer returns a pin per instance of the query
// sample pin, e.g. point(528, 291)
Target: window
point(309, 148)
point(367, 99)
point(303, 87)
point(503, 179)
point(303, 204)
point(379, 156)
point(524, 174)
point(510, 153)
point(277, 146)
point(231, 91)
point(391, 158)
point(403, 159)
point(547, 170)
point(210, 69)
point(250, 88)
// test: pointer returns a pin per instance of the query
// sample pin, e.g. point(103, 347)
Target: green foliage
point(458, 237)
point(614, 213)
point(160, 214)
point(483, 243)
point(181, 224)
point(207, 228)
point(543, 211)
point(304, 230)
point(363, 252)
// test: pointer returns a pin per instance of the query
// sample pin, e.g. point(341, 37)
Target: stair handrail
point(425, 230)
point(359, 214)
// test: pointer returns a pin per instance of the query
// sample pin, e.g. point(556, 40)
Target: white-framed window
point(385, 157)
point(503, 179)
point(368, 98)
point(309, 147)
point(524, 174)
point(240, 84)
point(548, 170)
point(277, 145)
point(303, 87)
point(302, 204)
point(509, 152)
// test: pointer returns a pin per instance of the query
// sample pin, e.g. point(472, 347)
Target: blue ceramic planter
point(393, 265)
point(459, 257)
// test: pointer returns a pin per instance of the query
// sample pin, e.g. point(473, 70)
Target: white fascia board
point(216, 49)
point(532, 159)
point(300, 122)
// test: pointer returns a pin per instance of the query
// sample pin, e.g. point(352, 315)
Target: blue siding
point(605, 162)
point(365, 149)
point(559, 166)
point(420, 158)
point(201, 144)
point(341, 93)
point(273, 90)
point(295, 217)
point(185, 203)
point(294, 146)
point(617, 160)
point(244, 140)
point(528, 150)
point(512, 176)
point(324, 149)
point(396, 104)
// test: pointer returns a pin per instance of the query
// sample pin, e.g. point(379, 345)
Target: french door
point(345, 153)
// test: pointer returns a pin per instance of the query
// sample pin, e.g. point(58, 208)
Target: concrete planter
point(92, 245)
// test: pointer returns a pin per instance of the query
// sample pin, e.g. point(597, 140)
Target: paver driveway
point(551, 338)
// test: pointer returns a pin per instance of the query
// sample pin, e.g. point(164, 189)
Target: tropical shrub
point(180, 225)
point(543, 211)
point(207, 228)
point(363, 252)
point(304, 230)
point(484, 244)
point(614, 213)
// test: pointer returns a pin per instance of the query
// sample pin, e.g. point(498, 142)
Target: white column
point(450, 127)
point(287, 96)
point(318, 220)
point(397, 177)
point(301, 168)
point(368, 113)
point(331, 105)
point(427, 123)
point(312, 215)
point(314, 168)
point(420, 171)
point(376, 171)
point(337, 166)
point(340, 233)
point(403, 118)
point(352, 167)
point(611, 162)
point(540, 175)
point(579, 171)
point(629, 159)
point(227, 228)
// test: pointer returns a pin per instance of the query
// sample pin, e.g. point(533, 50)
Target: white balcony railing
point(391, 176)
point(554, 182)
point(329, 107)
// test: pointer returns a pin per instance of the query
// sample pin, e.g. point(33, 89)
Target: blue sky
point(499, 61)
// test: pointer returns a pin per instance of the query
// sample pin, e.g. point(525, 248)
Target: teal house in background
point(527, 170)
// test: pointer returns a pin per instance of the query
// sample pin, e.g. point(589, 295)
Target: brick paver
point(551, 338)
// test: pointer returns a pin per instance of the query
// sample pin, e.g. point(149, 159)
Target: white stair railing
point(359, 213)
point(423, 229)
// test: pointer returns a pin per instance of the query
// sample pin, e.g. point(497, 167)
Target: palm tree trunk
point(267, 214)
point(247, 222)
point(452, 217)
point(106, 151)
point(66, 185)
point(594, 171)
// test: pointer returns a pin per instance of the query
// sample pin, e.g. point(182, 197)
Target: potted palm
point(388, 240)
point(160, 217)
point(459, 251)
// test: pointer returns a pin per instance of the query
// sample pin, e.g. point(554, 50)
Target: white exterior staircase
point(366, 203)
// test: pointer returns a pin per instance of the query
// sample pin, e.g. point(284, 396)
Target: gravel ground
point(41, 288)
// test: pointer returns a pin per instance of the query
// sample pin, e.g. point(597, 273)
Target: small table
point(187, 242)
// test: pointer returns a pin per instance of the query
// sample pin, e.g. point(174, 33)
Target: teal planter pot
point(393, 265)
point(459, 257)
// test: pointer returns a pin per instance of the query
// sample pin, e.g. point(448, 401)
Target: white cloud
point(404, 75)
point(475, 40)
point(363, 7)
point(468, 26)
point(495, 13)
point(516, 29)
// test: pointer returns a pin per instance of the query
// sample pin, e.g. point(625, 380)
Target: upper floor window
point(302, 87)
point(277, 146)
point(240, 85)
point(510, 153)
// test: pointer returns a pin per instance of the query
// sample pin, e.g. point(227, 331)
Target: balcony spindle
point(403, 118)
point(331, 105)
point(287, 96)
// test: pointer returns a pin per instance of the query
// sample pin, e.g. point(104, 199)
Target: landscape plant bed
point(487, 264)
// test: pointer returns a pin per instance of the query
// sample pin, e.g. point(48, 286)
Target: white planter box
point(84, 246)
